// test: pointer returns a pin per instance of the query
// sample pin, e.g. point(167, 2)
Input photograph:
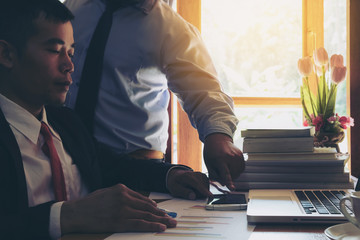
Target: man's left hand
point(223, 159)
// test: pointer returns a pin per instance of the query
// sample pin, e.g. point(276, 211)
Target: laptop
point(296, 205)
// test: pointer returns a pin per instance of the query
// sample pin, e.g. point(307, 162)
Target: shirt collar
point(23, 121)
point(144, 5)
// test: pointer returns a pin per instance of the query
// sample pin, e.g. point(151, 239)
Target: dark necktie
point(56, 169)
point(93, 65)
point(91, 74)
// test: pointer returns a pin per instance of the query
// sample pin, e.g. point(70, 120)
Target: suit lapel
point(76, 145)
point(8, 140)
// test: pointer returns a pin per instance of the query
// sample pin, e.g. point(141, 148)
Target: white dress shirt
point(26, 128)
point(147, 53)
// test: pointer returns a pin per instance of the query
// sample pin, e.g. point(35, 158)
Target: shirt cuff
point(54, 225)
point(183, 167)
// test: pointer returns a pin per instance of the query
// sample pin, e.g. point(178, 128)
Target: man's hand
point(188, 184)
point(223, 159)
point(114, 209)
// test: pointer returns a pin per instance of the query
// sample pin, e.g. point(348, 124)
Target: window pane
point(255, 45)
point(335, 43)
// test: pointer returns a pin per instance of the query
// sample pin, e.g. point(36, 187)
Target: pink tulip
point(346, 122)
point(351, 122)
point(343, 121)
point(304, 66)
point(319, 70)
point(305, 123)
point(336, 60)
point(321, 57)
point(338, 74)
point(318, 123)
point(332, 119)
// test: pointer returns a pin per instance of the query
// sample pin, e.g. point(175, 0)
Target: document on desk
point(194, 222)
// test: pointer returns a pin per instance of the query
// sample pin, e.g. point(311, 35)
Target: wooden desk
point(261, 232)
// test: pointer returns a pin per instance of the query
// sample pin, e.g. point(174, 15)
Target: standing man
point(150, 49)
point(54, 179)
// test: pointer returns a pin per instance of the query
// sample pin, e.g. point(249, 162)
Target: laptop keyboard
point(322, 202)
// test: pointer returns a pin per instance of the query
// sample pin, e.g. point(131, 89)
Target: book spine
point(244, 186)
point(284, 177)
point(290, 157)
point(296, 163)
point(255, 133)
point(259, 134)
point(278, 145)
point(282, 169)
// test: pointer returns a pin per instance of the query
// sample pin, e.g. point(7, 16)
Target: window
point(261, 42)
point(257, 57)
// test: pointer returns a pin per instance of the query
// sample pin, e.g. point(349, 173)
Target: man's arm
point(193, 78)
point(147, 175)
point(31, 223)
point(117, 202)
point(114, 209)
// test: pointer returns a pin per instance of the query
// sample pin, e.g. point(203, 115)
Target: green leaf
point(330, 107)
point(307, 101)
point(303, 102)
point(320, 94)
point(324, 91)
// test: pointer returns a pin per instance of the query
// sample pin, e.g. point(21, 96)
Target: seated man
point(51, 171)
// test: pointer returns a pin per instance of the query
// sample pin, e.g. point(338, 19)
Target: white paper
point(194, 222)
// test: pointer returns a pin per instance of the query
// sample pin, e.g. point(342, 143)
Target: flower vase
point(328, 139)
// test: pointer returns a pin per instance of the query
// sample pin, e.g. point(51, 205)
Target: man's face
point(42, 73)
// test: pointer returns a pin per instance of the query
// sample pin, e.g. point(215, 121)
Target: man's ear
point(7, 54)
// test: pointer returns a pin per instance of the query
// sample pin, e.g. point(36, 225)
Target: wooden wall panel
point(189, 145)
point(353, 88)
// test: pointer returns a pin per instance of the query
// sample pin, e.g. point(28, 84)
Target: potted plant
point(319, 107)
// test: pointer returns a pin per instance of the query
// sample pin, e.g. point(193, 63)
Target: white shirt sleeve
point(54, 223)
point(193, 78)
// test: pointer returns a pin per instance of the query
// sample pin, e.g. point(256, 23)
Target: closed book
point(293, 177)
point(244, 186)
point(273, 145)
point(289, 156)
point(339, 161)
point(292, 169)
point(278, 132)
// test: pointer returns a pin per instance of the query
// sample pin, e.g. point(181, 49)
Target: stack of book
point(286, 158)
point(278, 140)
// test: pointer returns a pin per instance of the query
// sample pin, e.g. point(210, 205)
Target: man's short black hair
point(17, 18)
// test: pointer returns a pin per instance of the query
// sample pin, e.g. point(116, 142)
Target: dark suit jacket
point(98, 166)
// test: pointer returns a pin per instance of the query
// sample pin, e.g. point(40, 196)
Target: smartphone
point(227, 202)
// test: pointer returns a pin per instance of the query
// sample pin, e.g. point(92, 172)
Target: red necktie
point(56, 169)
